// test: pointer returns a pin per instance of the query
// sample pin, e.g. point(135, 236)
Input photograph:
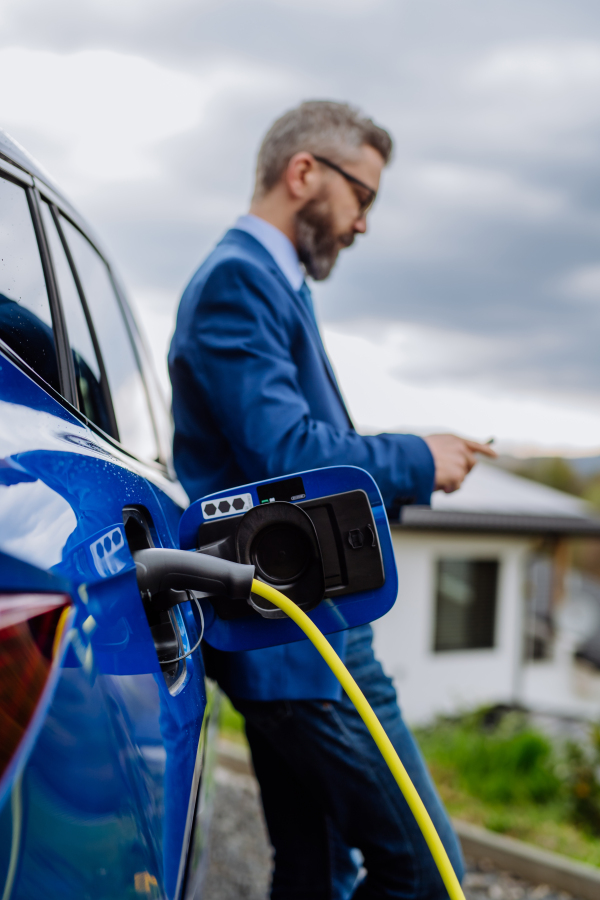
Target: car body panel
point(98, 803)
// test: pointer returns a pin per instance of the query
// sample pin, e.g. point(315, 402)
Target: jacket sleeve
point(241, 356)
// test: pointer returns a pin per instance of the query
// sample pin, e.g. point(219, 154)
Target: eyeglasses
point(365, 202)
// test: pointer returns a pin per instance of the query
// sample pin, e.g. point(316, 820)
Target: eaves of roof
point(423, 518)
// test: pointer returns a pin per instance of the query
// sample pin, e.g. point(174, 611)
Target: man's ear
point(302, 176)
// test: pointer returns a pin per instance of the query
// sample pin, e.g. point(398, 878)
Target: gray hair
point(322, 127)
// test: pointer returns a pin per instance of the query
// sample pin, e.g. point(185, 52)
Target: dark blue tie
point(306, 296)
point(308, 300)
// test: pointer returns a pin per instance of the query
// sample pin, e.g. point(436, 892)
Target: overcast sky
point(473, 304)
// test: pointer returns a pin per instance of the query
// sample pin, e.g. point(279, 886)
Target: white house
point(489, 608)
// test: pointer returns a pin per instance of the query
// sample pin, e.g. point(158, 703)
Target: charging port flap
point(320, 537)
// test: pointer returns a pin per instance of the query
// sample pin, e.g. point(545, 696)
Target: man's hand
point(454, 457)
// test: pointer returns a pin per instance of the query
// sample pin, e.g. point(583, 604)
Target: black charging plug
point(166, 575)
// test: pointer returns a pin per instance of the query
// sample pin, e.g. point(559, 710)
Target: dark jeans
point(326, 790)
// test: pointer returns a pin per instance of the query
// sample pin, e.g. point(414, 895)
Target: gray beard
point(318, 247)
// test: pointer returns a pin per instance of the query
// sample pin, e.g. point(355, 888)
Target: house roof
point(493, 500)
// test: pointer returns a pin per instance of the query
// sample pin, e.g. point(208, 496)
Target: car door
point(99, 787)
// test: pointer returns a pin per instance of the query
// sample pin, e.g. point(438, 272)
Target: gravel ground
point(240, 856)
point(239, 865)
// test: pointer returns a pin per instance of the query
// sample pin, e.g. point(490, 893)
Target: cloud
point(541, 66)
point(107, 109)
point(583, 284)
point(117, 106)
point(380, 400)
point(485, 241)
point(482, 190)
point(356, 8)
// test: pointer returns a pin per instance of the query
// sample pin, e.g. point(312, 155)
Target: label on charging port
point(289, 490)
point(227, 506)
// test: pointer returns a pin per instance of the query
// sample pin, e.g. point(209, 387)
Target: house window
point(465, 612)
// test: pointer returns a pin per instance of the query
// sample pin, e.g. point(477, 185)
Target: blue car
point(105, 745)
point(109, 582)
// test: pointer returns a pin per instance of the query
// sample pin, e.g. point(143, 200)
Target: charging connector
point(167, 578)
point(168, 574)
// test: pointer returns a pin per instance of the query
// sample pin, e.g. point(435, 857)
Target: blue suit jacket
point(255, 397)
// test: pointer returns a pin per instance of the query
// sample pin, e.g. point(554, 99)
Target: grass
point(502, 774)
point(231, 722)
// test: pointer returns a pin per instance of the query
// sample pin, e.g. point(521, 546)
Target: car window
point(130, 401)
point(25, 316)
point(88, 373)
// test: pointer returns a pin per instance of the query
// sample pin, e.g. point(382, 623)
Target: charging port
point(165, 626)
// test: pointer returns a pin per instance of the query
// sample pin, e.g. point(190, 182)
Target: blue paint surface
point(97, 797)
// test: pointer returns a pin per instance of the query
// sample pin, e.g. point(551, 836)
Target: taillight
point(31, 626)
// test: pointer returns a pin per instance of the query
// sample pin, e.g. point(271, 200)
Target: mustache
point(318, 244)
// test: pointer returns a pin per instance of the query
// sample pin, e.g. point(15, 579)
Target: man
point(254, 397)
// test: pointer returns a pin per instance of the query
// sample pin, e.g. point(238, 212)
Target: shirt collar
point(277, 244)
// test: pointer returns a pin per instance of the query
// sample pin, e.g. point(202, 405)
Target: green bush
point(581, 769)
point(498, 758)
point(494, 769)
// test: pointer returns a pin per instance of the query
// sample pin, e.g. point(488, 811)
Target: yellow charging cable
point(58, 634)
point(386, 747)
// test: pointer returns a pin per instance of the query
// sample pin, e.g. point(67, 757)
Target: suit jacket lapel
point(310, 321)
point(299, 303)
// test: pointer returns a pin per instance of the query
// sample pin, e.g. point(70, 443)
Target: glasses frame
point(364, 205)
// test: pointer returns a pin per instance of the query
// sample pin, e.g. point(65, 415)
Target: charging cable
point(191, 596)
point(160, 570)
point(438, 851)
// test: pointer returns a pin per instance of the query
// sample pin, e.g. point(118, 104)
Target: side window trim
point(15, 174)
point(103, 378)
point(125, 314)
point(68, 384)
point(66, 370)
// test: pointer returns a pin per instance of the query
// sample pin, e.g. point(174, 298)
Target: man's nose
point(360, 225)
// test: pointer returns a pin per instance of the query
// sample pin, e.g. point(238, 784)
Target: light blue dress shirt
point(277, 244)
